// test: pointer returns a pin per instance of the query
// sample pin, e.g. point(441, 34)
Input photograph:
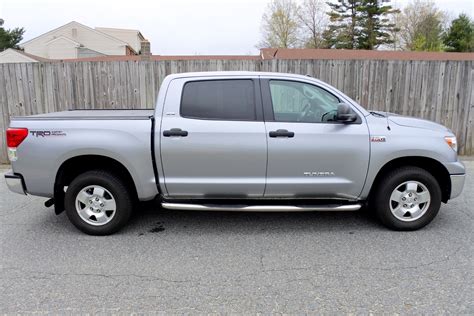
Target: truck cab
point(260, 136)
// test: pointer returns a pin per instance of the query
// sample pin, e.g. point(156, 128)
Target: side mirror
point(345, 113)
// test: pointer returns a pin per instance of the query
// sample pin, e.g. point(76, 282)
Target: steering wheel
point(326, 113)
point(305, 111)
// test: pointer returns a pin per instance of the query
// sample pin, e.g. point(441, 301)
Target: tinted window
point(301, 102)
point(219, 99)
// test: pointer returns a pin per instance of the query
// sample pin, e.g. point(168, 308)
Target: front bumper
point(15, 183)
point(457, 184)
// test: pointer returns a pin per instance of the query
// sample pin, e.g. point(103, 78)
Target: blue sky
point(174, 27)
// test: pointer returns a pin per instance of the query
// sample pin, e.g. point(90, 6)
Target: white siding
point(61, 49)
point(130, 37)
point(89, 38)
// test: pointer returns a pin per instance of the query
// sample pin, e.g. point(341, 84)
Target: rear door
point(309, 153)
point(213, 141)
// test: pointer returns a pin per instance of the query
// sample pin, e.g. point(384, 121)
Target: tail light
point(15, 136)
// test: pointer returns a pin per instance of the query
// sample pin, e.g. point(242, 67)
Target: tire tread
point(121, 194)
point(388, 184)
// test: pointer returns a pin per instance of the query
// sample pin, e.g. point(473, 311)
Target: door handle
point(282, 133)
point(175, 132)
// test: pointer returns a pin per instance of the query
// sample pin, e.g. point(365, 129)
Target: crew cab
point(236, 141)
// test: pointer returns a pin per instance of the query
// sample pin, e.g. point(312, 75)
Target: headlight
point(452, 142)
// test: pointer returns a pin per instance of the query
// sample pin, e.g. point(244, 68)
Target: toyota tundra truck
point(236, 141)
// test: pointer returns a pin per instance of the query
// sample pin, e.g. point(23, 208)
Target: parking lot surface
point(203, 262)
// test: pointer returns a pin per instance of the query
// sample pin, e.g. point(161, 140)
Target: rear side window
point(219, 100)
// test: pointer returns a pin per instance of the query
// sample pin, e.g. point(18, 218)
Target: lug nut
point(404, 205)
point(90, 201)
point(404, 198)
point(97, 199)
point(409, 194)
point(91, 208)
point(101, 204)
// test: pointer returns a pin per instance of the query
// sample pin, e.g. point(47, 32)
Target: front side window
point(301, 102)
point(219, 100)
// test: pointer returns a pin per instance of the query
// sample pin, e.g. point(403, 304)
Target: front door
point(213, 141)
point(310, 155)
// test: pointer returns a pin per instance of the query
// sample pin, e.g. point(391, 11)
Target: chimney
point(145, 50)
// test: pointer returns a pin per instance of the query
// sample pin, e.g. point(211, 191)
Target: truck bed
point(141, 114)
point(53, 139)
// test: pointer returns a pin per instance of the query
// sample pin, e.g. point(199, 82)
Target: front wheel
point(98, 203)
point(408, 198)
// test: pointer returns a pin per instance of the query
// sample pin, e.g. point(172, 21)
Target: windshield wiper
point(377, 114)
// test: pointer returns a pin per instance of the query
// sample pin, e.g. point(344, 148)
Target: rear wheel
point(408, 198)
point(98, 203)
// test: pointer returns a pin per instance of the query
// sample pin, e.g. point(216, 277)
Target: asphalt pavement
point(211, 262)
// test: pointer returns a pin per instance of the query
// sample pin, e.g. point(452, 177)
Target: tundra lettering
point(319, 173)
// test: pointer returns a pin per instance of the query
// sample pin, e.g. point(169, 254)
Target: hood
point(414, 122)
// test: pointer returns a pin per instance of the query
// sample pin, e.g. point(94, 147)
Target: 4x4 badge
point(378, 139)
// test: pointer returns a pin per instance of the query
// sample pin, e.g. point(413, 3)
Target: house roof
point(77, 24)
point(273, 53)
point(167, 57)
point(64, 38)
point(120, 29)
point(30, 57)
point(292, 53)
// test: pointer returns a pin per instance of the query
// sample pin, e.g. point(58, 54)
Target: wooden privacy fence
point(441, 91)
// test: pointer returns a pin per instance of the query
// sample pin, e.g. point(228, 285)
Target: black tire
point(119, 192)
point(381, 199)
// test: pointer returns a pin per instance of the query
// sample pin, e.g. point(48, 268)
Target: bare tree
point(280, 25)
point(313, 18)
point(421, 26)
point(395, 33)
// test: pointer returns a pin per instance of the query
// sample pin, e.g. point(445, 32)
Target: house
point(132, 37)
point(75, 40)
point(11, 55)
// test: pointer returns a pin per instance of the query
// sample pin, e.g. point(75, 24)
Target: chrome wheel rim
point(410, 201)
point(95, 205)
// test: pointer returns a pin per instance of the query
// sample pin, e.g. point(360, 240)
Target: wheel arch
point(431, 165)
point(77, 165)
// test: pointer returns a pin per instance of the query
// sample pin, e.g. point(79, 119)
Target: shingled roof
point(292, 53)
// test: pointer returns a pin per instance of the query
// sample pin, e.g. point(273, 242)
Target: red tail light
point(15, 136)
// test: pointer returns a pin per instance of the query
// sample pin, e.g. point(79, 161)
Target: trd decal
point(47, 133)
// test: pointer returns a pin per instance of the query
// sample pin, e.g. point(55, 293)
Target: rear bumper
point(457, 184)
point(15, 183)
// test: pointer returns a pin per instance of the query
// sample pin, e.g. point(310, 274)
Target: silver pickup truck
point(236, 141)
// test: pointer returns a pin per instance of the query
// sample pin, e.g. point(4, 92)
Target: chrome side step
point(260, 208)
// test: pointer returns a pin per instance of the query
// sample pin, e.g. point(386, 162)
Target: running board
point(260, 208)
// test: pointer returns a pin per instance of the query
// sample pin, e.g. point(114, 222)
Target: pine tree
point(375, 25)
point(359, 24)
point(342, 31)
point(460, 35)
point(10, 38)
